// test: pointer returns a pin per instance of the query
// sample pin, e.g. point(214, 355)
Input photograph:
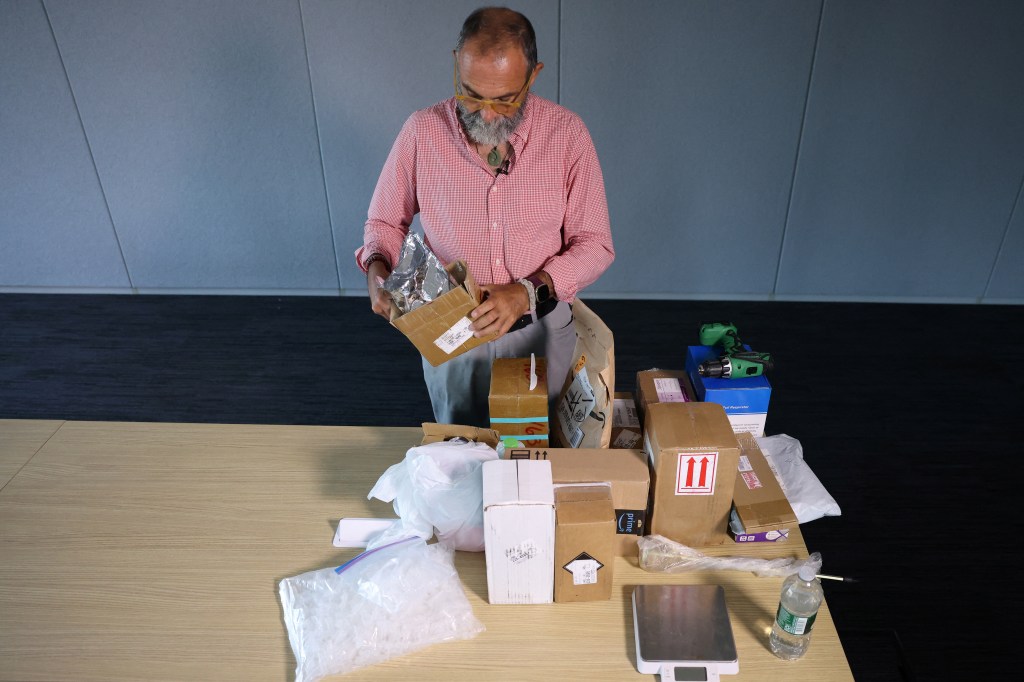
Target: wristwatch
point(541, 290)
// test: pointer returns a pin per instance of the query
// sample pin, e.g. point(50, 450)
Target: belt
point(527, 319)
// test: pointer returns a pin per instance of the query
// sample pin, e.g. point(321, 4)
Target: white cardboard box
point(519, 531)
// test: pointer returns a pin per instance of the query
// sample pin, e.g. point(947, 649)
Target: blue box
point(745, 399)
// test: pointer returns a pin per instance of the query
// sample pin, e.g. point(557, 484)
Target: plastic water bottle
point(798, 607)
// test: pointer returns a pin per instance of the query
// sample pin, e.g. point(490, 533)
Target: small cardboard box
point(516, 410)
point(693, 455)
point(760, 509)
point(436, 433)
point(745, 399)
point(626, 430)
point(662, 386)
point(440, 329)
point(584, 403)
point(519, 531)
point(625, 470)
point(584, 543)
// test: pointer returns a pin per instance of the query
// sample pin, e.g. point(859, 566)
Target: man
point(509, 183)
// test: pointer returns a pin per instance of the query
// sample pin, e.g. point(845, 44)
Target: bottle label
point(794, 625)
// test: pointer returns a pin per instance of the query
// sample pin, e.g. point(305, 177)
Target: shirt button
point(494, 188)
point(494, 225)
point(497, 261)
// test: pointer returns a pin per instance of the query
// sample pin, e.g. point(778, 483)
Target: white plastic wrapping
point(808, 497)
point(658, 554)
point(437, 487)
point(384, 603)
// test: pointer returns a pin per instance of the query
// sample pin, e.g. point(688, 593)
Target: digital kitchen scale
point(683, 633)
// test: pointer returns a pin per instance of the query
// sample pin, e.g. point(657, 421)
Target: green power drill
point(735, 361)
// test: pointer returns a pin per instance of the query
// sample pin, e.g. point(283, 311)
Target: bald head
point(493, 30)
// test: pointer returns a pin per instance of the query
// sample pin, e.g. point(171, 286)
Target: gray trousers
point(459, 388)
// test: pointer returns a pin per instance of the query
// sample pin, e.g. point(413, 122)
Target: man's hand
point(503, 305)
point(380, 299)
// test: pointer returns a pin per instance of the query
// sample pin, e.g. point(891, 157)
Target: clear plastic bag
point(658, 554)
point(808, 497)
point(438, 487)
point(384, 603)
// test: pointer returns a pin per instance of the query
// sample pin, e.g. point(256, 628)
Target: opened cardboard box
point(625, 470)
point(440, 329)
point(693, 455)
point(436, 433)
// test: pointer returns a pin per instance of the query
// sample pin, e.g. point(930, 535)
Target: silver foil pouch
point(419, 276)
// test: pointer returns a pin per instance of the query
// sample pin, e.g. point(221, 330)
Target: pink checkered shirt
point(548, 213)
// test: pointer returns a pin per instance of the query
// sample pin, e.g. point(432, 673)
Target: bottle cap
point(808, 572)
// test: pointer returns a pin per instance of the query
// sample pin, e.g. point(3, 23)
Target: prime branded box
point(625, 470)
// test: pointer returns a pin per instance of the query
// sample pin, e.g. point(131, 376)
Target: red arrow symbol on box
point(689, 472)
point(703, 471)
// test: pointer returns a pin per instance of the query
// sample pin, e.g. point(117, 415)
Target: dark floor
point(909, 415)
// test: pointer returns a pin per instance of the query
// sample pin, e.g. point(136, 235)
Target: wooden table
point(133, 551)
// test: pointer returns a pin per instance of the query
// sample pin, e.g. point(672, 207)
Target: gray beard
point(489, 134)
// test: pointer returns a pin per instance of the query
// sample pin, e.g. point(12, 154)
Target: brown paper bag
point(583, 414)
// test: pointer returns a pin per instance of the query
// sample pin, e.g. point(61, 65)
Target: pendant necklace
point(494, 157)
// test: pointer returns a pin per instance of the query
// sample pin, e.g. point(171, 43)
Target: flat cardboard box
point(436, 433)
point(693, 455)
point(519, 531)
point(745, 399)
point(584, 403)
point(759, 505)
point(440, 329)
point(662, 386)
point(625, 470)
point(626, 430)
point(516, 410)
point(584, 543)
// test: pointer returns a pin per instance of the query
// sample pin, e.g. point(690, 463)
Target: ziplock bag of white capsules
point(438, 487)
point(418, 277)
point(384, 603)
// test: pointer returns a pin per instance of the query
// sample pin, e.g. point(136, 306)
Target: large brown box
point(625, 470)
point(440, 329)
point(693, 454)
point(758, 499)
point(584, 543)
point(516, 410)
point(660, 386)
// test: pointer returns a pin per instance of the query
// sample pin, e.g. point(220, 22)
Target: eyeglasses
point(475, 104)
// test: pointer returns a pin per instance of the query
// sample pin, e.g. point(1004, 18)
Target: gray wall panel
point(54, 226)
point(372, 65)
point(1008, 276)
point(695, 109)
point(201, 121)
point(912, 151)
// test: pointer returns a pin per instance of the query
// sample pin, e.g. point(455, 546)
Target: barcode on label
point(457, 335)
